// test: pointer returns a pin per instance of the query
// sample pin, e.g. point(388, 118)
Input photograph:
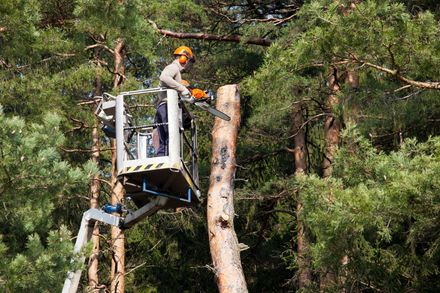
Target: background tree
point(383, 180)
point(35, 183)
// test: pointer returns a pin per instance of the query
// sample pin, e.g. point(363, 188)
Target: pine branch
point(83, 150)
point(23, 67)
point(307, 122)
point(79, 122)
point(273, 211)
point(420, 84)
point(104, 181)
point(259, 157)
point(99, 45)
point(274, 20)
point(94, 101)
point(139, 266)
point(211, 37)
point(65, 55)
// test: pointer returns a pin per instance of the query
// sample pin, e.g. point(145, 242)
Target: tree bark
point(118, 192)
point(331, 137)
point(433, 85)
point(332, 128)
point(95, 187)
point(352, 80)
point(211, 37)
point(331, 125)
point(223, 241)
point(300, 155)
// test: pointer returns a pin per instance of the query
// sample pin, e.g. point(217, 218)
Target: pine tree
point(35, 182)
point(223, 240)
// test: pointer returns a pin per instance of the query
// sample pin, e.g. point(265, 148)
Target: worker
point(171, 78)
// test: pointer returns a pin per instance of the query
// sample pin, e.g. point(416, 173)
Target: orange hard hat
point(185, 54)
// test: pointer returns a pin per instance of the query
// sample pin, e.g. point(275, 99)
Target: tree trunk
point(352, 80)
point(300, 155)
point(351, 116)
point(118, 259)
point(223, 241)
point(331, 125)
point(95, 187)
point(331, 136)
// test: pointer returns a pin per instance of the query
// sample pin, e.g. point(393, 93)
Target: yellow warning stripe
point(146, 167)
point(188, 179)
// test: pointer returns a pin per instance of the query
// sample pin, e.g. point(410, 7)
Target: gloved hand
point(187, 96)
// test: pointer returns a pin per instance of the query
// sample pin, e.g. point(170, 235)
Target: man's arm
point(167, 78)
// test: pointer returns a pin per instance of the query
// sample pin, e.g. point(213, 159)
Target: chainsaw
point(202, 99)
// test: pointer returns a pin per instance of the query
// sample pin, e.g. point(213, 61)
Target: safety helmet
point(184, 54)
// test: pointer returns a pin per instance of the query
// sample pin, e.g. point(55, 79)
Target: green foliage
point(179, 15)
point(34, 180)
point(39, 268)
point(378, 32)
point(381, 215)
point(113, 20)
point(20, 19)
point(366, 210)
point(379, 208)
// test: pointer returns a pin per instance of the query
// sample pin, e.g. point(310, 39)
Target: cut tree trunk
point(300, 155)
point(118, 258)
point(95, 187)
point(223, 242)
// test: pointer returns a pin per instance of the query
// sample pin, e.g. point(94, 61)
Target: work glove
point(187, 96)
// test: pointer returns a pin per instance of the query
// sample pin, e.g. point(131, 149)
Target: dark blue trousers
point(162, 117)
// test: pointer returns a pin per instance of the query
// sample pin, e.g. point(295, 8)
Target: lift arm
point(147, 210)
point(85, 233)
point(87, 223)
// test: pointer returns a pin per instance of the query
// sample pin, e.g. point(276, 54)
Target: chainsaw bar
point(205, 106)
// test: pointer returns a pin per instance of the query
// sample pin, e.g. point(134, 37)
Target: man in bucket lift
point(171, 78)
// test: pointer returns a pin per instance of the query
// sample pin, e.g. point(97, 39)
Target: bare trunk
point(118, 259)
point(94, 203)
point(352, 80)
point(223, 241)
point(331, 126)
point(331, 136)
point(119, 57)
point(118, 256)
point(95, 189)
point(300, 155)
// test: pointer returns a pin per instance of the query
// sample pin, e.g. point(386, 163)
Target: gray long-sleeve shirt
point(171, 78)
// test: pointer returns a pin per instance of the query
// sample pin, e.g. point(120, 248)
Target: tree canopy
point(377, 60)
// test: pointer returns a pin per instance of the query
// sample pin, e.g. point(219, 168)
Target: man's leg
point(162, 117)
